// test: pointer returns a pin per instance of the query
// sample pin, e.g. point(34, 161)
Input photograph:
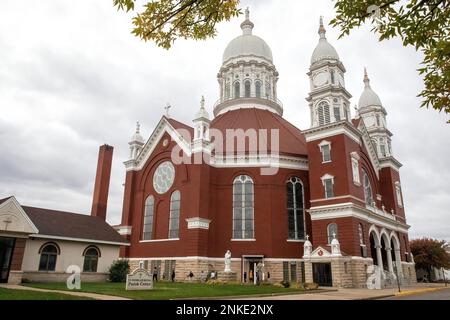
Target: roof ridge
point(60, 211)
point(289, 129)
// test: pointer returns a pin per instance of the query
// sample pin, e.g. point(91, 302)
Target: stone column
point(379, 257)
point(389, 259)
point(398, 262)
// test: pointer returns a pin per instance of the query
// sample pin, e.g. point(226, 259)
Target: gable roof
point(72, 225)
point(4, 200)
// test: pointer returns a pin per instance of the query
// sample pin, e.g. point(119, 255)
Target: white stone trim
point(344, 210)
point(159, 240)
point(124, 230)
point(337, 198)
point(332, 129)
point(198, 223)
point(243, 240)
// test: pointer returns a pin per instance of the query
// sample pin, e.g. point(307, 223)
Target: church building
point(318, 205)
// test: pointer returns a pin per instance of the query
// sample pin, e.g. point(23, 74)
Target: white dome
point(368, 97)
point(323, 51)
point(247, 45)
point(137, 135)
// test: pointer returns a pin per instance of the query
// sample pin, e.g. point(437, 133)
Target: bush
point(285, 284)
point(311, 286)
point(119, 270)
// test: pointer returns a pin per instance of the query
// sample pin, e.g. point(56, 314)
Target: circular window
point(164, 177)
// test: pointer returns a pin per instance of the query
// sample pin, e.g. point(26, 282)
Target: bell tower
point(328, 98)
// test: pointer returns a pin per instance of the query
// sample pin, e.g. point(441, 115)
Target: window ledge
point(243, 240)
point(356, 183)
point(327, 162)
point(159, 240)
point(295, 240)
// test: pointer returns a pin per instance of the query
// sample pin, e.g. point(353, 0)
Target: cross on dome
point(307, 237)
point(202, 103)
point(366, 78)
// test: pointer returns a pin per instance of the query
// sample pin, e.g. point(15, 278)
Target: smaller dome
point(368, 97)
point(324, 50)
point(137, 135)
point(202, 113)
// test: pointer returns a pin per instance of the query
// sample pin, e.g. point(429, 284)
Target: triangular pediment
point(320, 252)
point(180, 136)
point(13, 219)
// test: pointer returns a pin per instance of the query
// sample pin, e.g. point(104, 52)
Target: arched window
point(295, 209)
point(258, 89)
point(91, 255)
point(248, 91)
point(367, 190)
point(237, 90)
point(174, 220)
point(323, 111)
point(332, 230)
point(148, 218)
point(268, 90)
point(243, 208)
point(47, 262)
point(227, 91)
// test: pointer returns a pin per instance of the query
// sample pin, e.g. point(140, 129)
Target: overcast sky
point(72, 77)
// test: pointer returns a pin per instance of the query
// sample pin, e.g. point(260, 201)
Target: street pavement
point(435, 295)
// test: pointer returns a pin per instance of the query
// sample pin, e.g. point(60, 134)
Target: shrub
point(285, 284)
point(311, 286)
point(119, 270)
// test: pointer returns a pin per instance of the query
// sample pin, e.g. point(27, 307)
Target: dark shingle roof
point(72, 225)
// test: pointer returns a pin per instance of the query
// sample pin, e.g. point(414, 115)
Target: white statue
point(307, 248)
point(335, 246)
point(228, 261)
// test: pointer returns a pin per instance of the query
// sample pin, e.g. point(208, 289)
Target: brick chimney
point(101, 188)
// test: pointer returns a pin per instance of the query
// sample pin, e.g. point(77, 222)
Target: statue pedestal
point(227, 276)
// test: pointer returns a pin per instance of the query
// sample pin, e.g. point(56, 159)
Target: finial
point(167, 108)
point(322, 30)
point(202, 102)
point(307, 237)
point(247, 25)
point(334, 235)
point(366, 78)
point(138, 127)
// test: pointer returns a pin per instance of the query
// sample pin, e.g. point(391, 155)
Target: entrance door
point(251, 273)
point(322, 274)
point(6, 250)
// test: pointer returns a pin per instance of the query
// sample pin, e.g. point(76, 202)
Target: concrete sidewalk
point(95, 296)
point(357, 294)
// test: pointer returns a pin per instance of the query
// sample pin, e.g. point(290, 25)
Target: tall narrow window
point(398, 191)
point(248, 91)
point(382, 148)
point(325, 149)
point(332, 231)
point(346, 112)
point(361, 234)
point(332, 76)
point(91, 259)
point(227, 91)
point(148, 218)
point(47, 261)
point(258, 89)
point(337, 113)
point(328, 181)
point(324, 113)
point(243, 208)
point(237, 90)
point(174, 220)
point(367, 190)
point(295, 209)
point(268, 91)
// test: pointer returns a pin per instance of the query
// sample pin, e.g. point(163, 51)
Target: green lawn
point(167, 291)
point(12, 294)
